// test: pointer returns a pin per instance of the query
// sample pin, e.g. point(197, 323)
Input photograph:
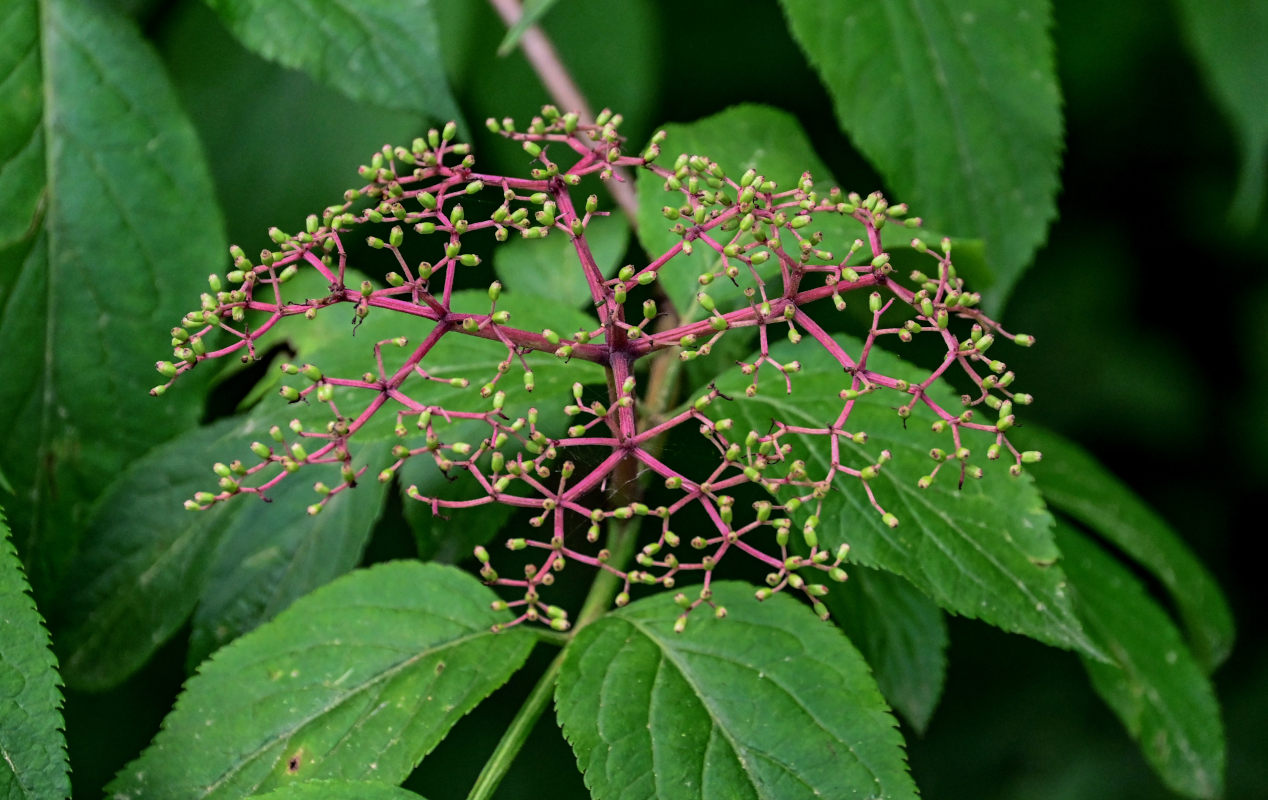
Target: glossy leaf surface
point(384, 54)
point(768, 702)
point(957, 105)
point(358, 680)
point(109, 227)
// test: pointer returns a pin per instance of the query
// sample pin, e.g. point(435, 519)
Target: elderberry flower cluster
point(756, 260)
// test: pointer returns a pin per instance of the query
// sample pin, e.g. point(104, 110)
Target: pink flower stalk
point(762, 237)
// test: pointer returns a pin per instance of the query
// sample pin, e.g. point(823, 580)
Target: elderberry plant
point(769, 273)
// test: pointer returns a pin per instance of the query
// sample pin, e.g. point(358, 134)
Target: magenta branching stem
point(766, 254)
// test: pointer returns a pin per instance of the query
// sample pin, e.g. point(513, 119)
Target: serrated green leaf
point(338, 790)
point(388, 55)
point(144, 560)
point(550, 268)
point(32, 747)
point(901, 633)
point(1227, 40)
point(1073, 483)
point(984, 550)
point(358, 680)
point(957, 105)
point(109, 225)
point(768, 702)
point(274, 553)
point(771, 141)
point(532, 12)
point(1155, 686)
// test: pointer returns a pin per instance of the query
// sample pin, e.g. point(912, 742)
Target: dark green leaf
point(957, 105)
point(1227, 40)
point(144, 561)
point(1154, 685)
point(901, 633)
point(274, 553)
point(387, 54)
point(109, 232)
point(338, 790)
point(358, 680)
point(984, 550)
point(533, 11)
point(768, 702)
point(1075, 484)
point(280, 145)
point(550, 268)
point(32, 747)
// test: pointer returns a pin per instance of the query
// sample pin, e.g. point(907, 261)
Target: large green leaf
point(32, 747)
point(387, 54)
point(274, 553)
point(901, 633)
point(144, 560)
point(984, 550)
point(1154, 685)
point(1227, 40)
point(358, 680)
point(956, 104)
point(338, 790)
point(1074, 483)
point(768, 702)
point(108, 229)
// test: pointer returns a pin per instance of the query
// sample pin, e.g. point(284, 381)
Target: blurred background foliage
point(1148, 302)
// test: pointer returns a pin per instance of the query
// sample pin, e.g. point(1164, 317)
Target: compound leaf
point(388, 55)
point(1073, 483)
point(1154, 684)
point(358, 680)
point(769, 702)
point(109, 225)
point(956, 104)
point(32, 747)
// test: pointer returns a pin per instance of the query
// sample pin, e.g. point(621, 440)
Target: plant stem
point(550, 69)
point(621, 541)
point(517, 733)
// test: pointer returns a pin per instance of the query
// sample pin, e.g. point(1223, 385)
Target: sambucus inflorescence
point(767, 271)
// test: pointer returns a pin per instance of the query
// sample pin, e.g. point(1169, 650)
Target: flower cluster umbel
point(763, 250)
